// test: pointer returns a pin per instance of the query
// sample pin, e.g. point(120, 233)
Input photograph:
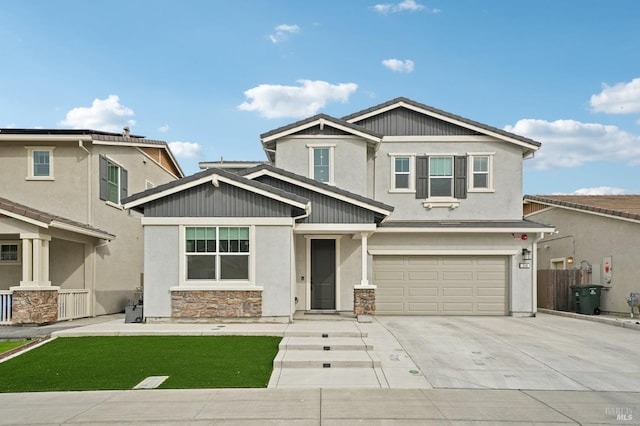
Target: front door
point(323, 274)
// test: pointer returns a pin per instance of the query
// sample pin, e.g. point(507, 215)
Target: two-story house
point(398, 209)
point(67, 246)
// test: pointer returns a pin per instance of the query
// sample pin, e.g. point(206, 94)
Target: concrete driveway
point(543, 353)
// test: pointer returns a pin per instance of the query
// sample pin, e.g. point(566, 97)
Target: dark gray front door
point(323, 274)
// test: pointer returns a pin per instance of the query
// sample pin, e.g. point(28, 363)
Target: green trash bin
point(587, 298)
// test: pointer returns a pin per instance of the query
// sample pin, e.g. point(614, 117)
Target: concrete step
point(324, 359)
point(324, 344)
point(323, 334)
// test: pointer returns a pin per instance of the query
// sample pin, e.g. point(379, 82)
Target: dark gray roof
point(48, 218)
point(12, 131)
point(465, 224)
point(320, 185)
point(443, 113)
point(232, 176)
point(624, 206)
point(355, 127)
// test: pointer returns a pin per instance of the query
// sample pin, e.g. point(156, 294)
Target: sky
point(210, 76)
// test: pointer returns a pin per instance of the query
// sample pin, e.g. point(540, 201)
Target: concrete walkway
point(320, 407)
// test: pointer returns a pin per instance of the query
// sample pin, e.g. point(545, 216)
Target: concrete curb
point(630, 323)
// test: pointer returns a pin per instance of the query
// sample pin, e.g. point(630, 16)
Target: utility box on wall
point(607, 269)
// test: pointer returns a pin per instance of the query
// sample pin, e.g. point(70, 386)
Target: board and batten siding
point(224, 201)
point(325, 209)
point(405, 122)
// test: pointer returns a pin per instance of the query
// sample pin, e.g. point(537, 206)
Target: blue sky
point(210, 76)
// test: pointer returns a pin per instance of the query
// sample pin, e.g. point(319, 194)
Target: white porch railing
point(5, 306)
point(73, 303)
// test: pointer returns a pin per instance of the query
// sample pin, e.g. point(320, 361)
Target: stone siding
point(364, 301)
point(216, 304)
point(34, 307)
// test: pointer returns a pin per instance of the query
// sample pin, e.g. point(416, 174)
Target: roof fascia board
point(22, 218)
point(550, 205)
point(323, 228)
point(127, 143)
point(321, 122)
point(262, 192)
point(80, 230)
point(447, 119)
point(462, 138)
point(318, 190)
point(228, 221)
point(167, 192)
point(461, 230)
point(160, 165)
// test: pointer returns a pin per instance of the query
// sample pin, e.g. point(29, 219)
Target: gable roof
point(213, 175)
point(615, 206)
point(47, 220)
point(402, 102)
point(95, 136)
point(320, 187)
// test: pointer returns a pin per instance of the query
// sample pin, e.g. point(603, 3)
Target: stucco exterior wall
point(350, 159)
point(520, 282)
point(272, 254)
point(67, 264)
point(589, 238)
point(161, 269)
point(498, 205)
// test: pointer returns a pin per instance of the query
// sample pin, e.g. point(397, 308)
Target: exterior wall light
point(526, 254)
point(570, 260)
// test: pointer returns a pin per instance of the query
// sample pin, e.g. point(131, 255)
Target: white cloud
point(104, 114)
point(410, 5)
point(185, 149)
point(282, 32)
point(275, 101)
point(622, 98)
point(397, 65)
point(600, 190)
point(569, 143)
point(163, 129)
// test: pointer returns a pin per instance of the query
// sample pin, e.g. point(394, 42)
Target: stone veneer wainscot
point(34, 307)
point(364, 301)
point(216, 303)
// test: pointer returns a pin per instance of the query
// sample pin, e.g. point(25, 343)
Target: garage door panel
point(441, 285)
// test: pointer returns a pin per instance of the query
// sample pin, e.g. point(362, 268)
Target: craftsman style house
point(67, 247)
point(398, 209)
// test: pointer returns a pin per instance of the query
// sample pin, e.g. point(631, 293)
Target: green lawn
point(7, 346)
point(95, 363)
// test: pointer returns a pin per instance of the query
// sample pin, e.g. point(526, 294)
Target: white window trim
point(30, 151)
point(331, 147)
point(117, 205)
point(183, 283)
point(470, 156)
point(435, 201)
point(412, 173)
point(12, 262)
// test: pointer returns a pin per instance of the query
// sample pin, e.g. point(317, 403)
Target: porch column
point(364, 281)
point(35, 260)
point(364, 295)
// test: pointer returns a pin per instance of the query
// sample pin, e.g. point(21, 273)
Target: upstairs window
point(402, 171)
point(217, 253)
point(113, 181)
point(321, 163)
point(480, 169)
point(441, 176)
point(40, 163)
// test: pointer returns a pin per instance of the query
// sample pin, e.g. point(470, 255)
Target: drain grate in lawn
point(101, 363)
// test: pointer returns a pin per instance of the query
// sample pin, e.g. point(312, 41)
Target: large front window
point(441, 176)
point(217, 253)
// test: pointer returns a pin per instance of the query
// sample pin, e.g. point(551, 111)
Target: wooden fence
point(554, 288)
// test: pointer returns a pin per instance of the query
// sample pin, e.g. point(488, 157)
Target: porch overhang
point(334, 228)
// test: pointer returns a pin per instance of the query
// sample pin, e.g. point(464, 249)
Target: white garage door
point(440, 285)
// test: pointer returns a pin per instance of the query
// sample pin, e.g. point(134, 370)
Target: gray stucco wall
point(67, 264)
point(503, 204)
point(161, 268)
point(590, 238)
point(350, 160)
point(273, 269)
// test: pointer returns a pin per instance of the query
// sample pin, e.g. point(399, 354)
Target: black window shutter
point(460, 174)
point(124, 176)
point(104, 190)
point(422, 177)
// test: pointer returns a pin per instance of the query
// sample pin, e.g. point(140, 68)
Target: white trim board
point(215, 221)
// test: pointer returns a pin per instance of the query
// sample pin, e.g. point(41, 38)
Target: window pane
point(441, 166)
point(321, 164)
point(41, 163)
point(402, 165)
point(480, 164)
point(234, 267)
point(243, 233)
point(402, 181)
point(224, 246)
point(190, 233)
point(200, 239)
point(9, 252)
point(480, 181)
point(201, 267)
point(441, 187)
point(113, 185)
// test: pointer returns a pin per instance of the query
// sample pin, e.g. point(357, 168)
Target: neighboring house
point(67, 246)
point(398, 209)
point(599, 234)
